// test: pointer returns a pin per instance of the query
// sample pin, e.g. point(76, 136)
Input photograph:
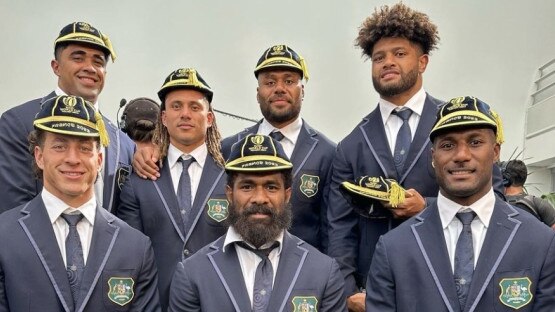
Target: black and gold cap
point(71, 115)
point(85, 33)
point(466, 112)
point(374, 188)
point(185, 78)
point(281, 56)
point(257, 153)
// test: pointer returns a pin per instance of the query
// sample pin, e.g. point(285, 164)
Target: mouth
point(389, 74)
point(185, 126)
point(86, 80)
point(461, 173)
point(72, 174)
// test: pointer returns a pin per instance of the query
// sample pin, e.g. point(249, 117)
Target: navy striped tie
point(402, 144)
point(74, 254)
point(464, 257)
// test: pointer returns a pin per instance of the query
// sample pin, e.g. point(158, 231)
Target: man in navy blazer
point(510, 256)
point(49, 264)
point(228, 274)
point(280, 93)
point(397, 40)
point(81, 54)
point(186, 129)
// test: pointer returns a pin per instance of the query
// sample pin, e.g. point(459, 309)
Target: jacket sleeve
point(183, 293)
point(545, 289)
point(16, 175)
point(380, 286)
point(343, 223)
point(146, 292)
point(129, 208)
point(334, 294)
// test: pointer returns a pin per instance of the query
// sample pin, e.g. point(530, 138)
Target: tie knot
point(466, 217)
point(186, 162)
point(277, 135)
point(72, 219)
point(262, 252)
point(403, 114)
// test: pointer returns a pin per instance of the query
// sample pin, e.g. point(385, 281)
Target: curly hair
point(398, 21)
point(213, 138)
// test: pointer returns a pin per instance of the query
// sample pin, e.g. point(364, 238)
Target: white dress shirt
point(452, 226)
point(290, 132)
point(55, 207)
point(249, 260)
point(195, 169)
point(393, 123)
point(99, 183)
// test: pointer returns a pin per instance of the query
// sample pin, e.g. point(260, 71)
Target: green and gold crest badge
point(515, 292)
point(309, 185)
point(305, 304)
point(121, 290)
point(218, 209)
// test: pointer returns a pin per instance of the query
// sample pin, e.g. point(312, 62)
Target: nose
point(185, 113)
point(280, 87)
point(88, 66)
point(72, 156)
point(388, 60)
point(259, 196)
point(462, 153)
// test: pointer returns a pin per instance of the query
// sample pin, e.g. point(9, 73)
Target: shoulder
point(324, 141)
point(314, 256)
point(432, 100)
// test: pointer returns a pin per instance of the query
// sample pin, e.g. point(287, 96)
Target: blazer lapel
point(103, 239)
point(291, 262)
point(374, 134)
point(164, 188)
point(419, 144)
point(211, 175)
point(431, 242)
point(38, 228)
point(303, 148)
point(229, 271)
point(500, 233)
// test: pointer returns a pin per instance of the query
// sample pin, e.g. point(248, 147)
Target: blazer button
point(186, 252)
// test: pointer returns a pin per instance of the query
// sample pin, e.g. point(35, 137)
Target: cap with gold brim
point(85, 33)
point(71, 115)
point(281, 56)
point(466, 112)
point(185, 78)
point(377, 188)
point(257, 153)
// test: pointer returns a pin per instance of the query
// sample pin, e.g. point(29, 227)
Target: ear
point(423, 63)
point(38, 157)
point(229, 193)
point(496, 152)
point(55, 67)
point(287, 195)
point(209, 119)
point(100, 157)
point(302, 91)
point(257, 96)
point(163, 117)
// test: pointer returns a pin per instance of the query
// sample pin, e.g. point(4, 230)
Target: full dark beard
point(279, 117)
point(259, 232)
point(407, 82)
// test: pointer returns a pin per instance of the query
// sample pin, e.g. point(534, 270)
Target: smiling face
point(259, 208)
point(187, 117)
point(280, 95)
point(397, 65)
point(80, 70)
point(463, 162)
point(69, 166)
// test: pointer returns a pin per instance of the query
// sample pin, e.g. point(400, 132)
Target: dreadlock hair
point(213, 137)
point(399, 21)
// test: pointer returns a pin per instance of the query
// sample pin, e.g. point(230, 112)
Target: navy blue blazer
point(16, 173)
point(33, 275)
point(365, 151)
point(152, 208)
point(212, 280)
point(411, 270)
point(311, 158)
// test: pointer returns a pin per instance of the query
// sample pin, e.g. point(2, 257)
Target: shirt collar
point(59, 91)
point(55, 207)
point(232, 236)
point(415, 103)
point(198, 153)
point(483, 208)
point(290, 132)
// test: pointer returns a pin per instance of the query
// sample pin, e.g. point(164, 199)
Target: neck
point(280, 125)
point(402, 98)
point(514, 190)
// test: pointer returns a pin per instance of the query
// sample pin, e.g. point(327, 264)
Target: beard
point(279, 117)
point(260, 232)
point(407, 81)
